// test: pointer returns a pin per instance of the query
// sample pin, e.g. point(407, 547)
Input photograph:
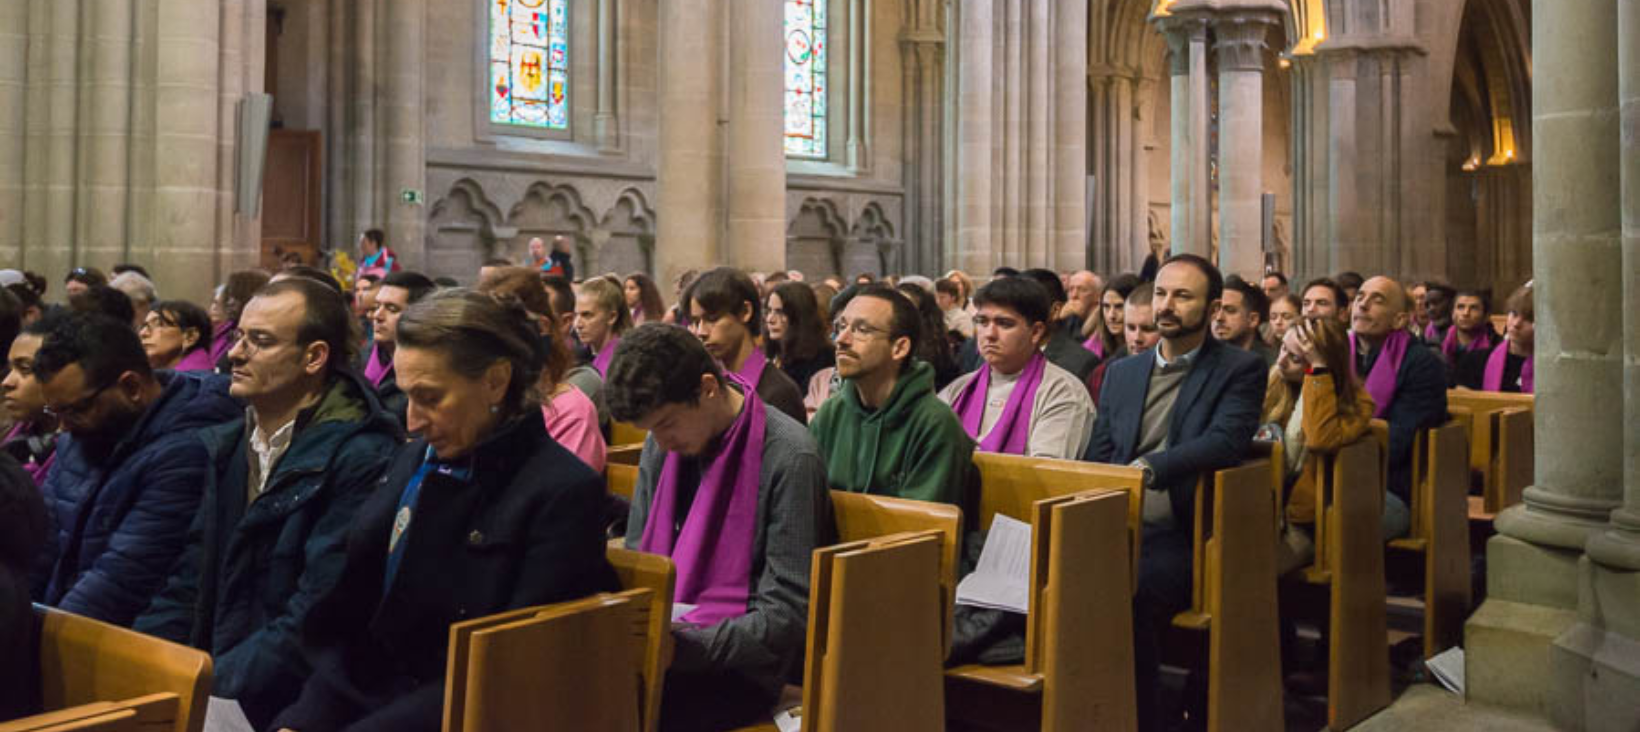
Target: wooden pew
point(151, 712)
point(621, 480)
point(1440, 529)
point(1078, 634)
point(573, 663)
point(655, 573)
point(624, 454)
point(1233, 597)
point(1500, 445)
point(860, 517)
point(87, 662)
point(1349, 560)
point(625, 433)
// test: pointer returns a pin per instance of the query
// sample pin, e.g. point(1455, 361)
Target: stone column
point(604, 122)
point(1240, 48)
point(689, 206)
point(402, 113)
point(757, 155)
point(1187, 68)
point(1344, 224)
point(1526, 646)
point(974, 236)
point(1069, 57)
point(362, 172)
point(922, 52)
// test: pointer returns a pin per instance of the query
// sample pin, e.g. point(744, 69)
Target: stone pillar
point(14, 46)
point(1344, 224)
point(1240, 47)
point(604, 122)
point(1533, 644)
point(922, 52)
point(974, 237)
point(757, 169)
point(1069, 57)
point(361, 128)
point(402, 113)
point(689, 206)
point(1187, 69)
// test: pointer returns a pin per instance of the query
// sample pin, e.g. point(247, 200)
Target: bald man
point(1407, 382)
point(1083, 289)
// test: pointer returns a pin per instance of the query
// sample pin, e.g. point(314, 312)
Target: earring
point(495, 409)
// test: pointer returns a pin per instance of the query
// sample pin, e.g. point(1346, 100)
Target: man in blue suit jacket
point(1186, 409)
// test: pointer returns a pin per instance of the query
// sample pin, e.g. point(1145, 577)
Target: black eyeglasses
point(79, 408)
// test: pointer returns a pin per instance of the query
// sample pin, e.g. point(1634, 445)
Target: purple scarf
point(222, 340)
point(713, 550)
point(752, 370)
point(1096, 344)
point(198, 359)
point(374, 369)
point(601, 361)
point(37, 471)
point(1493, 379)
point(1013, 428)
point(1381, 382)
point(1449, 346)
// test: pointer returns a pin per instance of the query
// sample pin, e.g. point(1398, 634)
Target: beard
point(1183, 328)
point(98, 442)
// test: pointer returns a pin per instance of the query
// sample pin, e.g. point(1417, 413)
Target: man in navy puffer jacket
point(129, 471)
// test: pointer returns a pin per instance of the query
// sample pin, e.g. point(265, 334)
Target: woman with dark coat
point(22, 532)
point(483, 513)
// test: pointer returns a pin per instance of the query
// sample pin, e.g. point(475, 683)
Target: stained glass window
point(806, 86)
point(529, 63)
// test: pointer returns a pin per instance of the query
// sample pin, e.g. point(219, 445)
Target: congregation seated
point(1181, 413)
point(483, 513)
point(396, 293)
point(795, 333)
point(1109, 339)
point(931, 347)
point(1406, 381)
point(571, 417)
point(22, 532)
point(884, 431)
point(1139, 333)
point(734, 492)
point(724, 310)
point(1324, 298)
point(581, 374)
point(33, 436)
point(1507, 366)
point(1439, 302)
point(129, 462)
point(176, 335)
point(283, 485)
point(1313, 405)
point(1082, 291)
point(1019, 402)
point(1237, 323)
point(225, 308)
point(1471, 329)
point(601, 318)
point(1062, 347)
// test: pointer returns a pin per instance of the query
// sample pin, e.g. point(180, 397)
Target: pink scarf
point(601, 361)
point(37, 471)
point(374, 369)
point(1014, 426)
point(1492, 380)
point(222, 340)
point(1096, 344)
point(713, 550)
point(198, 359)
point(1449, 346)
point(752, 370)
point(1381, 382)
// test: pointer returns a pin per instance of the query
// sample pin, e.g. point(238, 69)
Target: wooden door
point(291, 185)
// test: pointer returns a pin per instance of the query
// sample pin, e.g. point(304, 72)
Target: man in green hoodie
point(884, 431)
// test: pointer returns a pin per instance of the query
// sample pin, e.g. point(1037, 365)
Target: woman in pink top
point(571, 417)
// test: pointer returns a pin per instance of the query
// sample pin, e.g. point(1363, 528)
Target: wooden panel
point(622, 480)
point(1244, 648)
point(1445, 511)
point(624, 454)
point(84, 661)
point(1086, 632)
point(146, 713)
point(655, 573)
point(1358, 682)
point(1077, 476)
point(1513, 460)
point(291, 189)
point(859, 517)
point(624, 433)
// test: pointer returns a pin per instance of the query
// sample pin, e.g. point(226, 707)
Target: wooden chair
point(1349, 561)
point(1078, 634)
point(1500, 445)
point(624, 433)
point(1233, 597)
point(1440, 529)
point(154, 711)
point(621, 480)
point(860, 517)
point(656, 574)
point(573, 663)
point(88, 662)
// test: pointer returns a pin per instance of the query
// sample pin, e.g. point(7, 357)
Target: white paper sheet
point(1002, 579)
point(680, 609)
point(1447, 668)
point(224, 715)
point(789, 720)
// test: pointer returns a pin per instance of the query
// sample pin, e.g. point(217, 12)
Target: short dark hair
point(185, 315)
point(563, 293)
point(1279, 277)
point(25, 295)
point(446, 281)
point(1215, 280)
point(1022, 295)
point(497, 262)
point(313, 273)
point(1049, 280)
point(376, 236)
point(1004, 272)
point(106, 301)
point(124, 267)
point(370, 277)
point(1142, 296)
point(724, 291)
point(1337, 291)
point(905, 323)
point(1485, 296)
point(1251, 295)
point(104, 348)
point(474, 330)
point(1349, 280)
point(1124, 284)
point(239, 288)
point(654, 365)
point(325, 317)
point(88, 276)
point(416, 283)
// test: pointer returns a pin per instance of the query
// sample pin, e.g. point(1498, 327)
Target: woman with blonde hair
point(1314, 405)
point(601, 317)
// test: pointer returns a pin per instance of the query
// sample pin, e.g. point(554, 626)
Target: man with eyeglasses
point(884, 431)
point(284, 484)
point(127, 476)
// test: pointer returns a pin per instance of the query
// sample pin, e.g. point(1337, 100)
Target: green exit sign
point(411, 196)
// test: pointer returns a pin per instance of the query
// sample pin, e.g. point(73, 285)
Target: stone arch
point(871, 244)
point(461, 230)
point(814, 239)
point(630, 228)
point(548, 210)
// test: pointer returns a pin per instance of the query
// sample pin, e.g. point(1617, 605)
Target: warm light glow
point(1284, 63)
point(1320, 34)
point(1509, 154)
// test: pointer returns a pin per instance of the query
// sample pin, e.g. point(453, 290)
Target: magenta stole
point(1013, 428)
point(751, 371)
point(1492, 380)
point(1381, 382)
point(713, 550)
point(601, 361)
point(374, 369)
point(1096, 344)
point(198, 359)
point(1449, 346)
point(37, 471)
point(222, 340)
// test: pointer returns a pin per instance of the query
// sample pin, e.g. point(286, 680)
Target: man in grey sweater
point(735, 493)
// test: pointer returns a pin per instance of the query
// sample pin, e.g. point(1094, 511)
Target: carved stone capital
point(1239, 40)
point(1180, 32)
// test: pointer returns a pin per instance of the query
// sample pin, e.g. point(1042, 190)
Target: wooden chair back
point(638, 570)
point(83, 661)
point(1064, 477)
point(624, 454)
point(1440, 529)
point(874, 662)
point(151, 712)
point(553, 663)
point(621, 480)
point(1502, 472)
point(861, 516)
point(625, 433)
